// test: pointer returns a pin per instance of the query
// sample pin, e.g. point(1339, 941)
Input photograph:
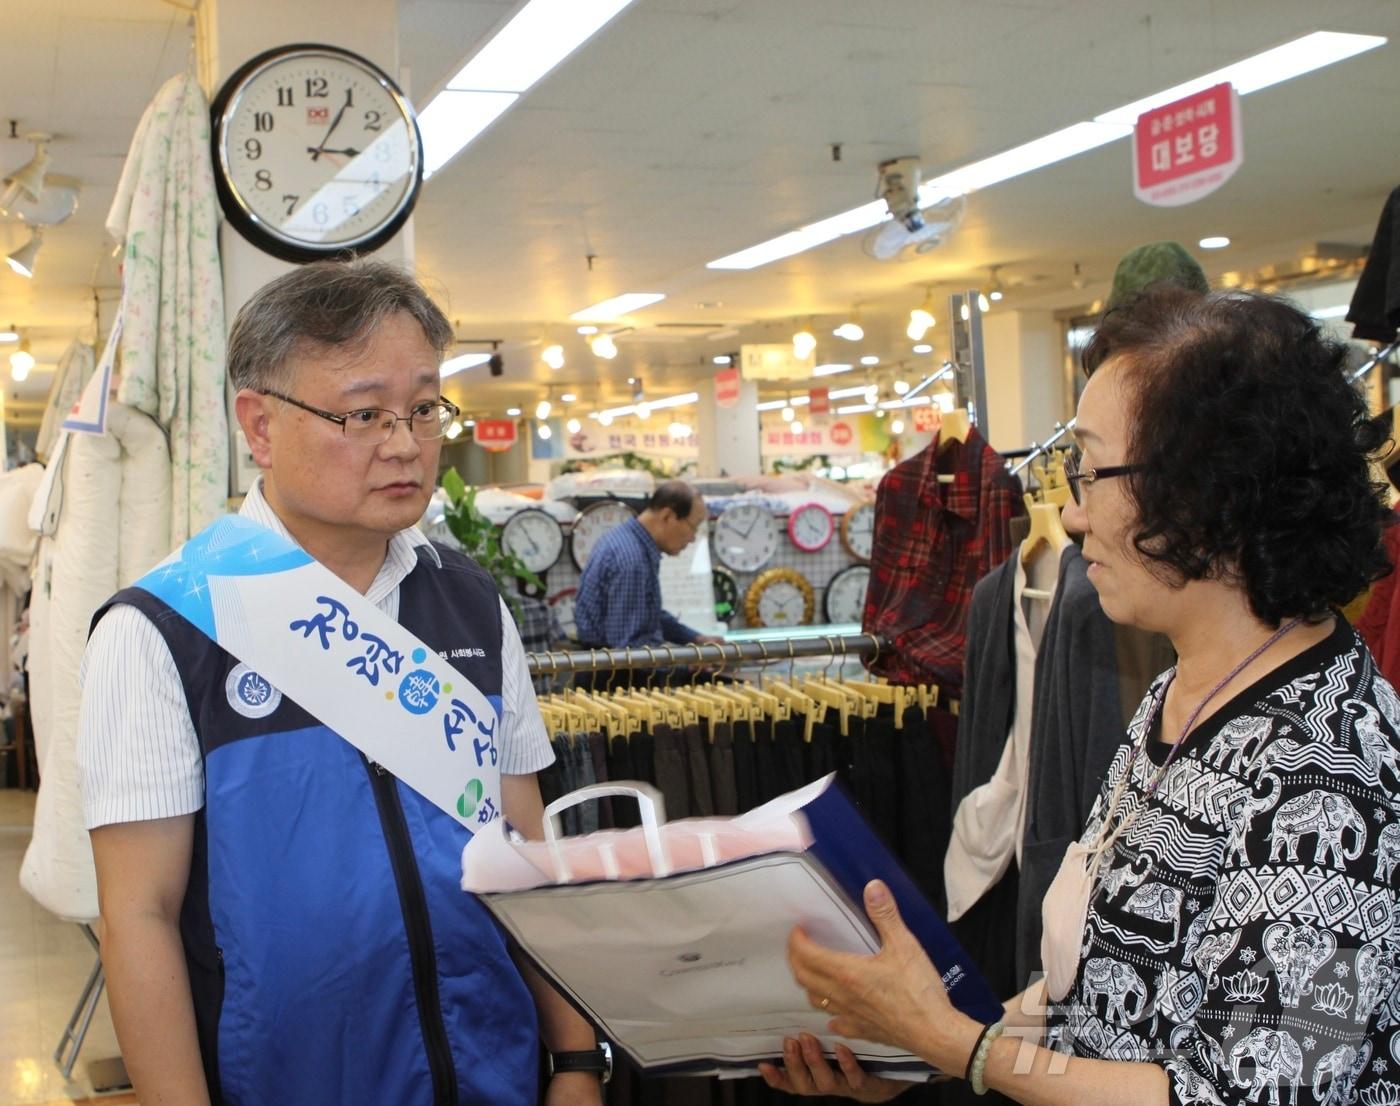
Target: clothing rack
point(641, 657)
point(1040, 449)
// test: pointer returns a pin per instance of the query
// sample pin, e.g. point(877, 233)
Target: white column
point(1025, 376)
point(729, 437)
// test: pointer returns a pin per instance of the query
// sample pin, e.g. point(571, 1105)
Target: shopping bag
point(672, 937)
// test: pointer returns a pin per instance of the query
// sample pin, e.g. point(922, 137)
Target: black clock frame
point(254, 229)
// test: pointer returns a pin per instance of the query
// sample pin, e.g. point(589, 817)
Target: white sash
point(302, 631)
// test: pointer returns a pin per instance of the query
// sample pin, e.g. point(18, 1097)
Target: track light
point(27, 182)
point(921, 318)
point(896, 426)
point(543, 408)
point(900, 387)
point(22, 260)
point(21, 362)
point(553, 356)
point(788, 414)
point(851, 331)
point(804, 344)
point(982, 303)
point(10, 335)
point(797, 426)
point(543, 431)
point(574, 426)
point(603, 346)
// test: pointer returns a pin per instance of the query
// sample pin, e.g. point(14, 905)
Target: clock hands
point(317, 151)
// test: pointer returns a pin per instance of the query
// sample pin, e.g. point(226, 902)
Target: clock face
point(592, 523)
point(858, 531)
point(562, 603)
point(535, 537)
point(746, 537)
point(845, 595)
point(726, 594)
point(810, 527)
point(316, 152)
point(779, 597)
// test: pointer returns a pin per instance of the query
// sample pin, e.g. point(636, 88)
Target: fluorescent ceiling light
point(855, 409)
point(831, 369)
point(1214, 242)
point(649, 406)
point(1337, 312)
point(464, 361)
point(9, 336)
point(1293, 59)
point(615, 308)
point(452, 119)
point(847, 393)
point(917, 401)
point(779, 404)
point(1282, 63)
point(804, 238)
point(542, 34)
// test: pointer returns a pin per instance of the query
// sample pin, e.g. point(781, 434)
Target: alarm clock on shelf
point(858, 531)
point(535, 536)
point(845, 595)
point(811, 527)
point(562, 604)
point(316, 153)
point(746, 537)
point(779, 597)
point(592, 523)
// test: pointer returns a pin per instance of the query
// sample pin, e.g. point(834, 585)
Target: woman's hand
point(806, 1072)
point(894, 997)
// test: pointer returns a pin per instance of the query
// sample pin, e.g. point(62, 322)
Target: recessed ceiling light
point(869, 359)
point(1293, 59)
point(1214, 242)
point(11, 335)
point(923, 347)
point(609, 310)
point(585, 330)
point(513, 412)
point(723, 359)
point(568, 397)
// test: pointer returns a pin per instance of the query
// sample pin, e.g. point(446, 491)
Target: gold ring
point(825, 1003)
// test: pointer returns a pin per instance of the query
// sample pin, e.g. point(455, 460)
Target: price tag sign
point(496, 435)
point(727, 387)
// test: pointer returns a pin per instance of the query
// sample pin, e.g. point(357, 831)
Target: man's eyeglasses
point(1074, 477)
point(374, 425)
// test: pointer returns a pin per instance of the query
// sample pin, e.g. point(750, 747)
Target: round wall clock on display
point(562, 604)
point(779, 597)
point(316, 153)
point(726, 594)
point(811, 527)
point(535, 537)
point(746, 537)
point(845, 595)
point(858, 531)
point(593, 522)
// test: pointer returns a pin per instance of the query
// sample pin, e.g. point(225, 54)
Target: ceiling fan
point(911, 231)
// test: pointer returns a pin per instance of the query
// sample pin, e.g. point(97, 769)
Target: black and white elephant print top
point(1245, 933)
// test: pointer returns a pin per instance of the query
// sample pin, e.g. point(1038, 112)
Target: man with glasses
point(282, 919)
point(619, 597)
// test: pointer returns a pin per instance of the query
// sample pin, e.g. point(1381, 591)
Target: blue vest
point(333, 956)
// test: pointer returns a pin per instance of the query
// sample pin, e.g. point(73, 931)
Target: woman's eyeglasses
point(1075, 477)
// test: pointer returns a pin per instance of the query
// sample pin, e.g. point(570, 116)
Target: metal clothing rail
point(1040, 449)
point(639, 657)
point(1379, 356)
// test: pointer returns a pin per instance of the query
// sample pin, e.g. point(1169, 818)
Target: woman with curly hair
point(1227, 929)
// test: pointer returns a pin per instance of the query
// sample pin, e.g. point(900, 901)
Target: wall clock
point(810, 527)
point(535, 537)
point(726, 594)
point(562, 604)
point(316, 153)
point(779, 597)
point(746, 537)
point(845, 595)
point(858, 531)
point(593, 522)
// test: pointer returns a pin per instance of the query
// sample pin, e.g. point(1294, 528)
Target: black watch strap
point(596, 1060)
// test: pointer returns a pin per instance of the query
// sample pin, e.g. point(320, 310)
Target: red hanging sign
point(927, 419)
point(1187, 149)
point(727, 387)
point(497, 435)
point(819, 401)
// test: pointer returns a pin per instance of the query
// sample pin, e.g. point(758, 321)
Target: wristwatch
point(597, 1060)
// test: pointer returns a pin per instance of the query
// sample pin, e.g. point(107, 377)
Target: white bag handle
point(653, 809)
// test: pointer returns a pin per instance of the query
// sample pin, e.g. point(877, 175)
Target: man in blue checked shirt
point(619, 597)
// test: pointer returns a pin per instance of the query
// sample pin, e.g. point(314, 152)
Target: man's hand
point(574, 1088)
point(708, 639)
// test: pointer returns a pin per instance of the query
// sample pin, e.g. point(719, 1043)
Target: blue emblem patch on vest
point(250, 694)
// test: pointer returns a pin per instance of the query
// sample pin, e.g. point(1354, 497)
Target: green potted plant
point(480, 539)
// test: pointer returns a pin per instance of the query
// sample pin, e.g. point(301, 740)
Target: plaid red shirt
point(933, 542)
